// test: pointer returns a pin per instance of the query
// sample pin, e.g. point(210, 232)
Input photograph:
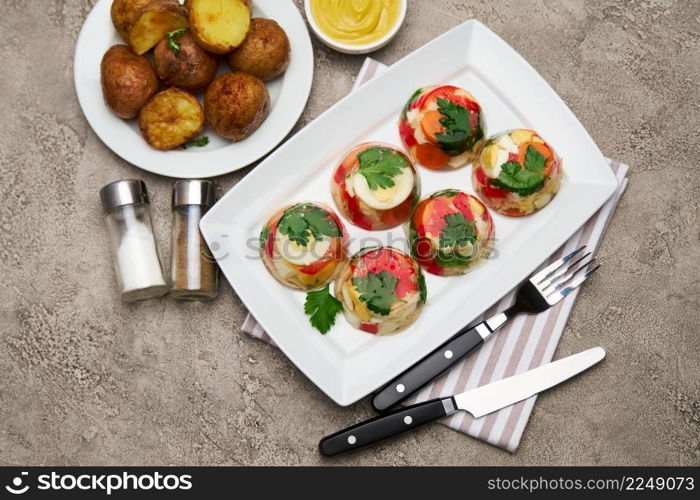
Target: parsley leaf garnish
point(458, 231)
point(301, 222)
point(459, 135)
point(379, 165)
point(377, 291)
point(410, 101)
point(199, 142)
point(263, 236)
point(172, 43)
point(451, 259)
point(522, 181)
point(322, 308)
point(422, 289)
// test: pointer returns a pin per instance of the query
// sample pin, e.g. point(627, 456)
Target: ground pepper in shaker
point(136, 259)
point(193, 270)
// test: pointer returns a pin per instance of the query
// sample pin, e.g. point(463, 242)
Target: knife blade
point(479, 402)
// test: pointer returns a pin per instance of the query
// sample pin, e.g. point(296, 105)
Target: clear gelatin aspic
point(450, 232)
point(517, 173)
point(375, 186)
point(382, 290)
point(442, 126)
point(303, 245)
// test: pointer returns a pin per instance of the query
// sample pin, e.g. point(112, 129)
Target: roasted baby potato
point(128, 81)
point(171, 118)
point(264, 52)
point(124, 15)
point(236, 104)
point(180, 62)
point(144, 23)
point(219, 26)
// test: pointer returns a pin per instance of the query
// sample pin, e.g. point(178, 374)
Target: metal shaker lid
point(194, 192)
point(125, 192)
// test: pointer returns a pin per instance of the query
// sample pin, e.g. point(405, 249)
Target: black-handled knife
point(539, 293)
point(479, 402)
point(437, 362)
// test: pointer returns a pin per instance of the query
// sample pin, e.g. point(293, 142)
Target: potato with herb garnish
point(171, 118)
point(128, 81)
point(180, 62)
point(264, 52)
point(236, 104)
point(144, 23)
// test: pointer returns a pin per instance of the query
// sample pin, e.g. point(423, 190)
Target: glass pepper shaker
point(136, 259)
point(194, 273)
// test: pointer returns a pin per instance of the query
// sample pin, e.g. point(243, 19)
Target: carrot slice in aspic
point(431, 156)
point(542, 149)
point(430, 123)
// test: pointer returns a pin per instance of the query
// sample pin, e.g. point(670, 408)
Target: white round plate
point(288, 95)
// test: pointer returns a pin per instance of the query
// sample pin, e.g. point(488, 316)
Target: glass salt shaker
point(136, 259)
point(193, 270)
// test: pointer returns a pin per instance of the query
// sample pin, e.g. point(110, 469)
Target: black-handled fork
point(536, 295)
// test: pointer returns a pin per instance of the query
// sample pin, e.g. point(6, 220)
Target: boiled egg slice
point(493, 157)
point(299, 255)
point(507, 143)
point(385, 198)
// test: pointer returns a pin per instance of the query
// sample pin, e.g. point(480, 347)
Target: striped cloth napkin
point(526, 343)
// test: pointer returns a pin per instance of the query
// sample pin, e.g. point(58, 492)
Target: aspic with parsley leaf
point(450, 232)
point(382, 290)
point(303, 245)
point(517, 172)
point(375, 186)
point(442, 126)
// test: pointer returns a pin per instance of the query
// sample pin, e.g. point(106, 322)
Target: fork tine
point(557, 295)
point(557, 275)
point(544, 273)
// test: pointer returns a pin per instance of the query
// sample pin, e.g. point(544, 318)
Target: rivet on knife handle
point(429, 367)
point(386, 426)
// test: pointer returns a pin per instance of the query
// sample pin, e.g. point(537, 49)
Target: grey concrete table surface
point(85, 379)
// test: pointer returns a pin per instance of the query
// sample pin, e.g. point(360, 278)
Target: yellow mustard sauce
point(355, 22)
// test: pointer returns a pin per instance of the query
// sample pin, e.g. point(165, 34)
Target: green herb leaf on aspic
point(379, 165)
point(519, 180)
point(458, 129)
point(322, 308)
point(457, 231)
point(172, 43)
point(302, 222)
point(378, 291)
point(263, 236)
point(422, 288)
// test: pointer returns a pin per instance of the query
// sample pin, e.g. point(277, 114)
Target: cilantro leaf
point(422, 289)
point(451, 259)
point(172, 43)
point(534, 160)
point(303, 221)
point(410, 101)
point(377, 291)
point(458, 231)
point(263, 236)
point(379, 165)
point(522, 181)
point(199, 142)
point(459, 135)
point(322, 308)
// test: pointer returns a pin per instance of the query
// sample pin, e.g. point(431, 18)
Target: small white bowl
point(355, 49)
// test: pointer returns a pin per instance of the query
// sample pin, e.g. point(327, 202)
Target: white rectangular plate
point(348, 364)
